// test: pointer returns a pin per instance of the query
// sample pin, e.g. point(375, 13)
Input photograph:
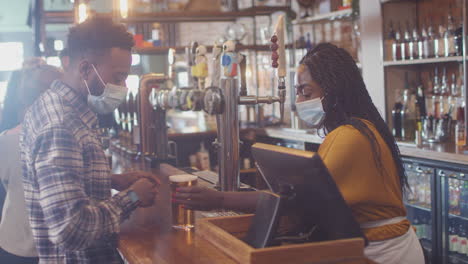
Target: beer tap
point(152, 119)
point(225, 101)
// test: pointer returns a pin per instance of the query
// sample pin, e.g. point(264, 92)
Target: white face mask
point(311, 112)
point(109, 100)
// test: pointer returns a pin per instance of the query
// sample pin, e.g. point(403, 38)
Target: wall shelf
point(203, 16)
point(423, 61)
point(325, 17)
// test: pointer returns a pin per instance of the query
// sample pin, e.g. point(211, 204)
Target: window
point(11, 54)
point(133, 82)
point(54, 61)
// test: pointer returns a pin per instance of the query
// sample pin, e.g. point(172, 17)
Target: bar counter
point(439, 152)
point(147, 237)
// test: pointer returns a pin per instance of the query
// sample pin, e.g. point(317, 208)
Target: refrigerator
point(421, 205)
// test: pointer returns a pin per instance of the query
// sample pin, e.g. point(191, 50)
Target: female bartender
point(358, 150)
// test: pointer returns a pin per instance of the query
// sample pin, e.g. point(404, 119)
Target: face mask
point(311, 112)
point(109, 100)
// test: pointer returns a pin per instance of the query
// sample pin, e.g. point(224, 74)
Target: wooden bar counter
point(147, 237)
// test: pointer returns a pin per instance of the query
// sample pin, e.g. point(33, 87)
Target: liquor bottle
point(453, 86)
point(453, 237)
point(308, 42)
point(396, 119)
point(432, 41)
point(444, 87)
point(450, 37)
point(464, 200)
point(459, 37)
point(426, 43)
point(406, 51)
point(409, 42)
point(421, 39)
point(389, 44)
point(417, 44)
point(408, 113)
point(462, 240)
point(439, 47)
point(421, 101)
point(460, 136)
point(397, 46)
point(435, 83)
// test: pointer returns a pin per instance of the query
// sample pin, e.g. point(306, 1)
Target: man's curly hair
point(96, 35)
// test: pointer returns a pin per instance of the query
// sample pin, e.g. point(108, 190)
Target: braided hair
point(346, 99)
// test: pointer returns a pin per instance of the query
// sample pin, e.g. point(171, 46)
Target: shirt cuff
point(124, 201)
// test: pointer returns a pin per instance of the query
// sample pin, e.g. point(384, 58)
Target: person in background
point(16, 240)
point(66, 176)
point(358, 150)
point(13, 109)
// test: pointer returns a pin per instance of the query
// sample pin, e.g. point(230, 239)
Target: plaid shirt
point(67, 182)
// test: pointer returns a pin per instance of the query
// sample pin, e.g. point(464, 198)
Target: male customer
point(66, 176)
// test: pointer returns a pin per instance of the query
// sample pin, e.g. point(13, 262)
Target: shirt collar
point(77, 101)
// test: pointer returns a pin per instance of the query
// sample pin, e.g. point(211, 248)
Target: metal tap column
point(228, 133)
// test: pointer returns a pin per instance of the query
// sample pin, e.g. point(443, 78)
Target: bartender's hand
point(146, 191)
point(199, 198)
point(123, 181)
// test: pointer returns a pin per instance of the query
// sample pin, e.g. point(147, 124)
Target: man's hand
point(123, 181)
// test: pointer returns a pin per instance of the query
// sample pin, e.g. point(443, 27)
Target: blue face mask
point(109, 100)
point(311, 112)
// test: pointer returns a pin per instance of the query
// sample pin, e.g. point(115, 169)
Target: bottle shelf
point(458, 217)
point(341, 14)
point(203, 16)
point(418, 206)
point(423, 61)
point(457, 259)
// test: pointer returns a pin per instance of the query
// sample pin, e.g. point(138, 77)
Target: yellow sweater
point(372, 193)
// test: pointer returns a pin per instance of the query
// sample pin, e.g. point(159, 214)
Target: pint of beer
point(182, 218)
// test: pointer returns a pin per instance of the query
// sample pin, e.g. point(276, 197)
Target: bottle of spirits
point(462, 241)
point(435, 83)
point(453, 238)
point(444, 87)
point(440, 44)
point(459, 37)
point(397, 122)
point(408, 114)
point(408, 43)
point(460, 136)
point(417, 44)
point(450, 37)
point(424, 43)
point(431, 41)
point(389, 44)
point(453, 86)
point(396, 48)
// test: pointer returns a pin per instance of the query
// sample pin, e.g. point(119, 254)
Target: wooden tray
point(226, 233)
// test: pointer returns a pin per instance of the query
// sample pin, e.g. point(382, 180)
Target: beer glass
point(182, 218)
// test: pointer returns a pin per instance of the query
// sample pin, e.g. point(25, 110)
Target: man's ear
point(85, 68)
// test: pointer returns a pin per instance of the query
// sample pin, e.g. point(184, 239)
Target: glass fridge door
point(419, 206)
point(455, 216)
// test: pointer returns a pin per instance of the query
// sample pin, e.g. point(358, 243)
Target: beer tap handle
point(243, 69)
point(278, 57)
